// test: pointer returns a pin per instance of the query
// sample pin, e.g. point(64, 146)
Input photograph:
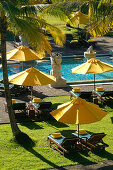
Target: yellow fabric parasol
point(78, 111)
point(79, 18)
point(23, 53)
point(93, 66)
point(31, 77)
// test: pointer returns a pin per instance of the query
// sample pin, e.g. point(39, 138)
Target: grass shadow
point(104, 154)
point(79, 157)
point(31, 125)
point(67, 133)
point(109, 103)
point(112, 120)
point(55, 105)
point(57, 124)
point(25, 141)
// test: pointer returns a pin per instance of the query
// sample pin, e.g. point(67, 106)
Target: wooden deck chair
point(65, 145)
point(82, 94)
point(43, 110)
point(19, 106)
point(94, 142)
point(99, 95)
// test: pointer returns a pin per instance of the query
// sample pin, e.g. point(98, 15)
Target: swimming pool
point(66, 66)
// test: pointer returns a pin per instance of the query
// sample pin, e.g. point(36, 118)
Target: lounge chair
point(103, 96)
point(21, 107)
point(93, 141)
point(99, 96)
point(74, 94)
point(82, 94)
point(108, 95)
point(43, 110)
point(65, 145)
point(42, 106)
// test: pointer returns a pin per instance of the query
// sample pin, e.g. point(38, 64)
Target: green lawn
point(40, 155)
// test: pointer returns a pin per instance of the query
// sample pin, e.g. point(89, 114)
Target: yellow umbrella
point(78, 111)
point(93, 66)
point(79, 18)
point(23, 53)
point(31, 77)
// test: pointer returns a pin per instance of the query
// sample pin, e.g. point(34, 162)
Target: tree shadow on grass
point(25, 141)
point(57, 124)
point(31, 125)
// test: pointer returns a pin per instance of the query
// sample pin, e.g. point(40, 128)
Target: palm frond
point(64, 8)
point(101, 27)
point(57, 34)
point(32, 33)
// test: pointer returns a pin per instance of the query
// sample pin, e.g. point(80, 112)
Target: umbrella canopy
point(78, 111)
point(79, 18)
point(23, 53)
point(93, 66)
point(31, 77)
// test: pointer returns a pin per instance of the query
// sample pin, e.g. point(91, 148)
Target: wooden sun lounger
point(99, 95)
point(82, 94)
point(94, 141)
point(65, 145)
point(43, 110)
point(17, 106)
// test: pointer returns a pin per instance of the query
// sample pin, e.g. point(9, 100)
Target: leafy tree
point(17, 16)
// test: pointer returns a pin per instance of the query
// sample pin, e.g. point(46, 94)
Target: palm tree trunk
point(3, 30)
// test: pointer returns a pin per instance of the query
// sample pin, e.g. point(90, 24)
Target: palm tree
point(18, 17)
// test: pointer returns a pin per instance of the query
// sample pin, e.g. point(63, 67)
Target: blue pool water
point(66, 66)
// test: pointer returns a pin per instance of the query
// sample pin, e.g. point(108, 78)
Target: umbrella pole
point(78, 130)
point(94, 82)
point(31, 92)
point(22, 65)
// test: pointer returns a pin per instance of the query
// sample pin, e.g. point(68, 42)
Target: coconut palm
point(16, 16)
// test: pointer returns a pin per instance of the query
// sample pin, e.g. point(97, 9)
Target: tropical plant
point(20, 18)
point(101, 17)
point(100, 13)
